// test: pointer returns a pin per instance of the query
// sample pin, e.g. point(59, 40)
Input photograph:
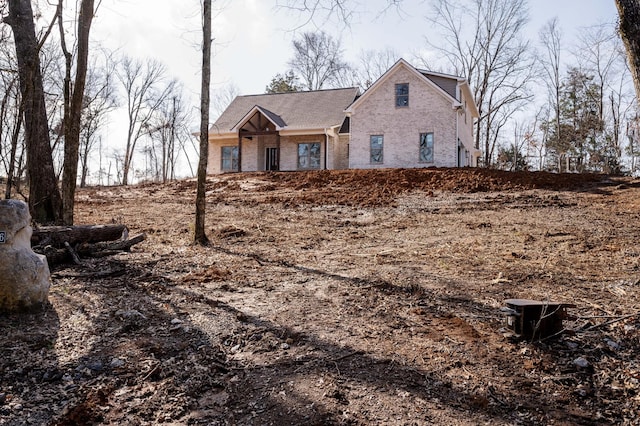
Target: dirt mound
point(379, 187)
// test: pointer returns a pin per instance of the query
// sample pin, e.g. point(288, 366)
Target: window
point(377, 142)
point(309, 155)
point(402, 95)
point(229, 157)
point(426, 147)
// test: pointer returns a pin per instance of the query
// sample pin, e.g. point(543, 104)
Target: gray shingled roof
point(446, 83)
point(299, 110)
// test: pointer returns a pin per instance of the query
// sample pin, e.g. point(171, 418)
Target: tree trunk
point(200, 235)
point(45, 202)
point(629, 11)
point(74, 108)
point(14, 148)
point(84, 169)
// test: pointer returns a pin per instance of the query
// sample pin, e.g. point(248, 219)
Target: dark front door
point(271, 159)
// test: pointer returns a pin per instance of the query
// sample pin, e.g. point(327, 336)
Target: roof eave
point(401, 62)
point(471, 103)
point(248, 116)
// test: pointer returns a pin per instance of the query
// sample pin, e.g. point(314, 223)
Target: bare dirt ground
point(349, 298)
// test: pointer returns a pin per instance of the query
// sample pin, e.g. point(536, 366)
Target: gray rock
point(581, 362)
point(613, 345)
point(24, 275)
point(116, 363)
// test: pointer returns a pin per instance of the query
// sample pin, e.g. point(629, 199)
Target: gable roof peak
point(400, 63)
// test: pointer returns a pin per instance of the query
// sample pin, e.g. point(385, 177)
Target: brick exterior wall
point(341, 152)
point(214, 162)
point(428, 111)
point(253, 152)
point(465, 134)
point(289, 150)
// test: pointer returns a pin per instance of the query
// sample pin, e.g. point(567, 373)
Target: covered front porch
point(259, 139)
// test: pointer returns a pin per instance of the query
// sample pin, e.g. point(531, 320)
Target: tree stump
point(24, 275)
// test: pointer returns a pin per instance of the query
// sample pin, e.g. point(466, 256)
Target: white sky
point(253, 38)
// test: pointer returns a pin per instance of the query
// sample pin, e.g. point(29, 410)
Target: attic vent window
point(402, 95)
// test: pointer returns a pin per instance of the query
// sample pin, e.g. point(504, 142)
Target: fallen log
point(65, 244)
point(57, 256)
point(57, 236)
point(102, 249)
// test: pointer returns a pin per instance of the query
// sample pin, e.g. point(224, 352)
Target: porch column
point(326, 149)
point(239, 152)
point(278, 149)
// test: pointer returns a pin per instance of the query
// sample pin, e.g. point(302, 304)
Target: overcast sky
point(253, 38)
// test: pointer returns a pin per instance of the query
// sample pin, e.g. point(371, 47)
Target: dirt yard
point(355, 298)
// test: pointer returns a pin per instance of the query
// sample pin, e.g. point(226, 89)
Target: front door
point(271, 159)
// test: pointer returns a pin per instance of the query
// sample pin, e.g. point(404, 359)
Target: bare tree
point(372, 64)
point(99, 100)
point(317, 60)
point(143, 84)
point(323, 9)
point(510, 155)
point(222, 97)
point(600, 53)
point(551, 40)
point(45, 202)
point(167, 131)
point(200, 236)
point(483, 42)
point(73, 103)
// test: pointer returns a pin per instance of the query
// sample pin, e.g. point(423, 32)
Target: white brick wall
point(215, 161)
point(253, 152)
point(428, 111)
point(465, 133)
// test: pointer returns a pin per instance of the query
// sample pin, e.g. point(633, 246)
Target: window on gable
point(426, 147)
point(229, 162)
point(377, 144)
point(402, 95)
point(309, 155)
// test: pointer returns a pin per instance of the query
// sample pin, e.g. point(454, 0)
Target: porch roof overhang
point(277, 121)
point(331, 131)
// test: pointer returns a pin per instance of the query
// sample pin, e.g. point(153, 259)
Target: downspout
point(457, 110)
point(457, 138)
point(326, 148)
point(239, 151)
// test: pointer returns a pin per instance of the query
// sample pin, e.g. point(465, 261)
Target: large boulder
point(24, 275)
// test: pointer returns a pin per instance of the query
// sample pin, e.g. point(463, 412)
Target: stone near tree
point(24, 275)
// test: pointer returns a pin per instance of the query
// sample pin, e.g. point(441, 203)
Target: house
point(413, 118)
point(283, 131)
point(407, 118)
